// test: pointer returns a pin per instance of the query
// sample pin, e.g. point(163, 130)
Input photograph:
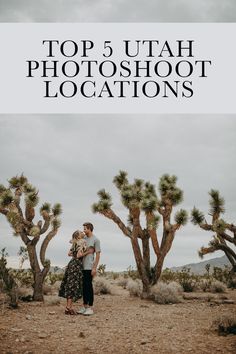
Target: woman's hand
point(80, 254)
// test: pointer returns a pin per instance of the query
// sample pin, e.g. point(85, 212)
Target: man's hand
point(80, 254)
point(94, 271)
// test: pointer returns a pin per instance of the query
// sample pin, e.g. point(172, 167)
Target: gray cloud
point(118, 11)
point(70, 157)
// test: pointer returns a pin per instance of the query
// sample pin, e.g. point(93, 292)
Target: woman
point(71, 286)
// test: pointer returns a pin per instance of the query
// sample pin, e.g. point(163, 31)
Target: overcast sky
point(69, 158)
point(118, 11)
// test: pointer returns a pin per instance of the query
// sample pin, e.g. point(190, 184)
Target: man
point(89, 268)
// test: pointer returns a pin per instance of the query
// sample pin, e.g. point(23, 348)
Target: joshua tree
point(224, 237)
point(20, 214)
point(8, 280)
point(141, 199)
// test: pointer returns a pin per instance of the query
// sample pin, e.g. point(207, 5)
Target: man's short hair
point(89, 226)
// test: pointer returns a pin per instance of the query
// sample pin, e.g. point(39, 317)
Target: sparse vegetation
point(134, 287)
point(101, 286)
point(218, 287)
point(9, 284)
point(163, 293)
point(226, 324)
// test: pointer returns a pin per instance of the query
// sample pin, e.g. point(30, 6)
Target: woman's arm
point(90, 250)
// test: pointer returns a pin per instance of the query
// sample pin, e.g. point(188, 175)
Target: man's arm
point(95, 264)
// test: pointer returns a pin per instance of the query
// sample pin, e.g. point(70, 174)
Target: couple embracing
point(78, 277)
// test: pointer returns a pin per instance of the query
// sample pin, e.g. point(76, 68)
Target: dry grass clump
point(218, 287)
point(101, 286)
point(123, 282)
point(47, 289)
point(164, 293)
point(134, 287)
point(204, 284)
point(52, 300)
point(226, 324)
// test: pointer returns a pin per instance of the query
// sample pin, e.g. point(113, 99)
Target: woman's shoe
point(69, 311)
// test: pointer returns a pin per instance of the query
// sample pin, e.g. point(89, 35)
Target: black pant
point(87, 287)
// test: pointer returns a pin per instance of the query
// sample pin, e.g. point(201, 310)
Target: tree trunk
point(146, 290)
point(140, 266)
point(158, 269)
point(38, 287)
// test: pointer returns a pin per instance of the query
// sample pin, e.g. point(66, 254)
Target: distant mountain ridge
point(200, 268)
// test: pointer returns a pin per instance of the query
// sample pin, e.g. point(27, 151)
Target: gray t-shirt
point(88, 260)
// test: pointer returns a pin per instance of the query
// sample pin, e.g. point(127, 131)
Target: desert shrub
point(22, 277)
point(163, 293)
point(134, 287)
point(232, 282)
point(52, 278)
point(168, 275)
point(187, 280)
point(217, 287)
point(52, 300)
point(23, 291)
point(47, 289)
point(115, 275)
point(226, 324)
point(132, 273)
point(101, 286)
point(56, 285)
point(204, 284)
point(123, 282)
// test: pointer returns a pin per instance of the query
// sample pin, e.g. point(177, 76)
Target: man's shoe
point(88, 311)
point(81, 311)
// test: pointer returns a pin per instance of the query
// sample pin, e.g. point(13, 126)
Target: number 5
point(107, 46)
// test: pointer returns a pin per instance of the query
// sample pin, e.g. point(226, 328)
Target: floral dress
point(71, 285)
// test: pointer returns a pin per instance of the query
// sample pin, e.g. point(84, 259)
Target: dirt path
point(121, 324)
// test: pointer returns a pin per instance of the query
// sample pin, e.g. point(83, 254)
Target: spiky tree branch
point(218, 226)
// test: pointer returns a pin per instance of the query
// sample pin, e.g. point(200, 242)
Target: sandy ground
point(121, 324)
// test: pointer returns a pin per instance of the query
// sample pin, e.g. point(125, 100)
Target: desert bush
point(1, 286)
point(101, 286)
point(123, 282)
point(47, 289)
point(22, 277)
point(187, 280)
point(132, 273)
point(56, 285)
point(168, 275)
point(163, 293)
point(115, 275)
point(232, 282)
point(225, 324)
point(204, 284)
point(23, 291)
point(134, 287)
point(217, 287)
point(52, 300)
point(52, 278)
